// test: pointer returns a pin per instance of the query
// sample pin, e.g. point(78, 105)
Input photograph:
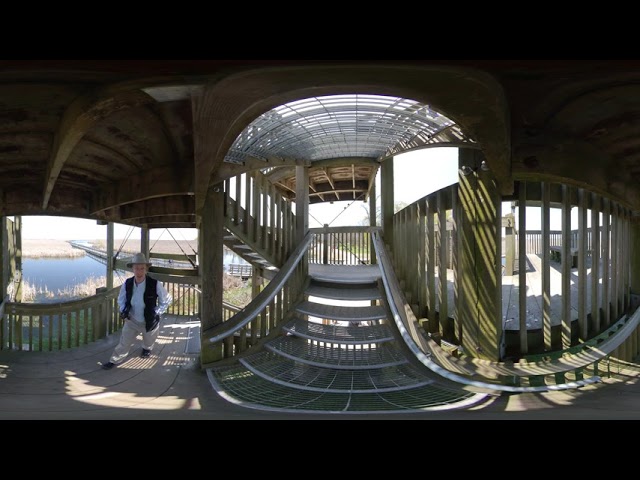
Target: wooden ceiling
point(140, 142)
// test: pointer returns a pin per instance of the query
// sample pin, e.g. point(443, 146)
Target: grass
point(236, 291)
point(31, 292)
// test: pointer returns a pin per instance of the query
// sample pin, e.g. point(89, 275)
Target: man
point(141, 301)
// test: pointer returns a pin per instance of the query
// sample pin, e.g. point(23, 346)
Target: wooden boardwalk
point(511, 289)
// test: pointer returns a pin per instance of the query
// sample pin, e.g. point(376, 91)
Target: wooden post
point(325, 244)
point(446, 327)
point(302, 202)
point(386, 187)
point(423, 300)
point(566, 266)
point(430, 262)
point(110, 234)
point(210, 248)
point(510, 244)
point(17, 229)
point(372, 220)
point(582, 265)
point(4, 255)
point(546, 272)
point(480, 307)
point(522, 267)
point(606, 258)
point(594, 327)
point(144, 241)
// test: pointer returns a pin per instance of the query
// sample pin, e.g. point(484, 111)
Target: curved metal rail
point(436, 359)
point(247, 314)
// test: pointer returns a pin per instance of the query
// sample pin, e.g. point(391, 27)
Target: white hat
point(137, 259)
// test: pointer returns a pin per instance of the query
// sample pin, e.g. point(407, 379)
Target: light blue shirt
point(137, 300)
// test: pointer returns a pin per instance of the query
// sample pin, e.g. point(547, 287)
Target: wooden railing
point(486, 376)
point(257, 214)
point(266, 312)
point(601, 282)
point(424, 250)
point(185, 292)
point(341, 245)
point(56, 326)
point(601, 278)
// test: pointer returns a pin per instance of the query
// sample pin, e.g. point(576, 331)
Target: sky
point(416, 174)
point(68, 228)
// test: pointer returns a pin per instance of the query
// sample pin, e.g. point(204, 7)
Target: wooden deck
point(170, 385)
point(510, 292)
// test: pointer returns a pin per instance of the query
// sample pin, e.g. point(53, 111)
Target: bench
point(556, 255)
point(240, 270)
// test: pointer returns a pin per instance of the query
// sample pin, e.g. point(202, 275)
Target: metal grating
point(337, 356)
point(278, 369)
point(343, 292)
point(241, 386)
point(342, 126)
point(341, 312)
point(339, 334)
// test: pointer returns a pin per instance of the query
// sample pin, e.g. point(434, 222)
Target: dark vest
point(150, 296)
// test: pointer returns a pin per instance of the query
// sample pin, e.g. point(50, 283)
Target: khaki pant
point(130, 331)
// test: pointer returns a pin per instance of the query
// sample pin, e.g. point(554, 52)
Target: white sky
point(416, 174)
point(68, 228)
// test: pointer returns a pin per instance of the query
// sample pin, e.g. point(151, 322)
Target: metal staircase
point(342, 357)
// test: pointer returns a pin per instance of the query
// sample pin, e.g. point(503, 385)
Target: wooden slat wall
point(600, 236)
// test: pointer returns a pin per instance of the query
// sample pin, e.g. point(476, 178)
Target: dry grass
point(157, 246)
point(63, 249)
point(49, 248)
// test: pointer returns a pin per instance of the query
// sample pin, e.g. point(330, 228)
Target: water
point(58, 273)
point(64, 273)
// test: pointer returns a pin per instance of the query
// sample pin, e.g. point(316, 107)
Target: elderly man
point(141, 301)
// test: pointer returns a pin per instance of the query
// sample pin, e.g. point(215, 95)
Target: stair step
point(338, 312)
point(278, 369)
point(340, 357)
point(339, 334)
point(344, 292)
point(243, 387)
point(344, 273)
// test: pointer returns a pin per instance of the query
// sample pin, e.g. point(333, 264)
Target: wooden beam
point(158, 182)
point(78, 119)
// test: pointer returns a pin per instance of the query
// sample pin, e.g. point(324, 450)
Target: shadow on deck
point(170, 385)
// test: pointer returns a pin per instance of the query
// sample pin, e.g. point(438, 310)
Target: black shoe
point(108, 365)
point(145, 353)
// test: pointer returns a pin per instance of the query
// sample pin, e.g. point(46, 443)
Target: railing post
point(211, 268)
point(325, 245)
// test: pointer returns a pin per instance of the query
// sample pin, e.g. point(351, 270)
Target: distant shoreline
point(63, 249)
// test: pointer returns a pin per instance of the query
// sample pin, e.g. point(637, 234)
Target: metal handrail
point(424, 349)
point(259, 303)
